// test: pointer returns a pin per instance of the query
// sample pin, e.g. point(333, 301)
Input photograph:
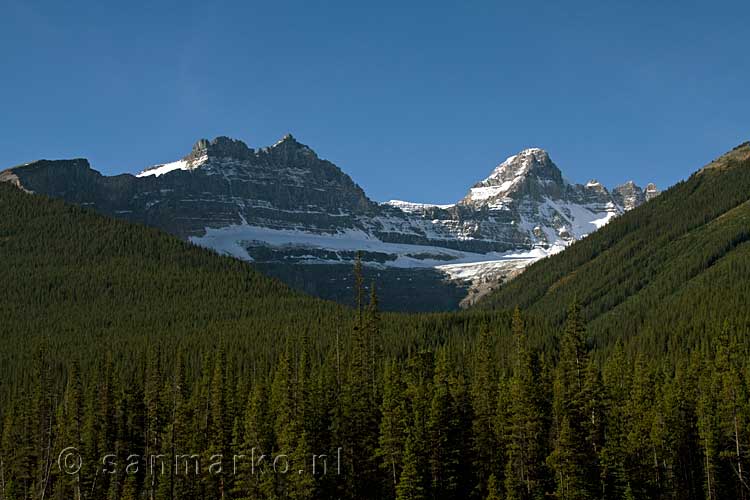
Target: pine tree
point(524, 470)
point(183, 476)
point(572, 459)
point(594, 423)
point(258, 441)
point(220, 427)
point(442, 428)
point(372, 327)
point(419, 377)
point(392, 425)
point(42, 419)
point(460, 437)
point(566, 458)
point(410, 485)
point(154, 415)
point(483, 397)
point(286, 427)
point(359, 403)
point(617, 375)
point(71, 423)
point(734, 410)
point(492, 489)
point(302, 480)
point(641, 455)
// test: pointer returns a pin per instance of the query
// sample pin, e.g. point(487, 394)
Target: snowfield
point(455, 264)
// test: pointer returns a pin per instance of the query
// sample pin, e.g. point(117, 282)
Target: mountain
point(283, 205)
point(113, 332)
point(682, 260)
point(629, 195)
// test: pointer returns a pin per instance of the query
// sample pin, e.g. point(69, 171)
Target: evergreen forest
point(134, 365)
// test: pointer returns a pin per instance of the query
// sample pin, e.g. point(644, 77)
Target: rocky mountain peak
point(287, 140)
point(629, 195)
point(522, 163)
point(651, 191)
point(289, 146)
point(220, 147)
point(529, 171)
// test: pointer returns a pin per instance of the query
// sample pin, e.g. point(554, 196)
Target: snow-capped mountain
point(285, 205)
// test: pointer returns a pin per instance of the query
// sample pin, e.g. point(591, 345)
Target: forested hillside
point(129, 348)
point(670, 271)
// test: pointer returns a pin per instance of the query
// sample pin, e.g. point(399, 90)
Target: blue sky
point(415, 100)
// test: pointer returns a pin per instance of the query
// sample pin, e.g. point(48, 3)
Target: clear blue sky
point(414, 101)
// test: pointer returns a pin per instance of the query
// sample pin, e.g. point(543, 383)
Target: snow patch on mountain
point(486, 192)
point(507, 176)
point(411, 207)
point(235, 240)
point(183, 164)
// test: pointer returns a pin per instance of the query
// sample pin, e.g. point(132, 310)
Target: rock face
point(629, 196)
point(284, 205)
point(217, 184)
point(650, 192)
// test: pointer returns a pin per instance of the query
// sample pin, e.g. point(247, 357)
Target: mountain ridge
point(284, 204)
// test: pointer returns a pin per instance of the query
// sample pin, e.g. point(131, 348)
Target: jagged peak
point(525, 157)
point(533, 151)
point(226, 147)
point(632, 186)
point(510, 175)
point(521, 165)
point(203, 149)
point(287, 139)
point(290, 145)
point(627, 186)
point(220, 147)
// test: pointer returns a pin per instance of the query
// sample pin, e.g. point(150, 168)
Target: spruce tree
point(594, 411)
point(411, 483)
point(442, 427)
point(359, 424)
point(617, 374)
point(572, 459)
point(392, 425)
point(493, 492)
point(734, 409)
point(71, 423)
point(525, 473)
point(258, 442)
point(483, 398)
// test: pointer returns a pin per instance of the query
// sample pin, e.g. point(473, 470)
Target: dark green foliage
point(526, 428)
point(120, 339)
point(573, 459)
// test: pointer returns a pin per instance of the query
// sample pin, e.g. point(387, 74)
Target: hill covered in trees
point(670, 271)
point(135, 365)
